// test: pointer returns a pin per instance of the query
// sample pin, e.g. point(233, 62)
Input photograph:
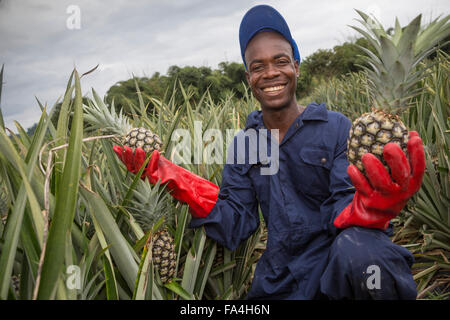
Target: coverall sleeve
point(234, 217)
point(341, 187)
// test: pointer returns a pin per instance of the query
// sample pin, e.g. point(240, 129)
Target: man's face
point(272, 70)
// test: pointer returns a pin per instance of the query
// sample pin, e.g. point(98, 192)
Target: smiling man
point(272, 76)
point(321, 240)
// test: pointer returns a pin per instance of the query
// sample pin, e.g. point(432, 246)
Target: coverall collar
point(313, 111)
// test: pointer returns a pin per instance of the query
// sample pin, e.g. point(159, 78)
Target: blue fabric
point(264, 18)
point(350, 272)
point(299, 204)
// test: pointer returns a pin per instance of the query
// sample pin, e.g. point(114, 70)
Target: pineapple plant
point(219, 257)
point(108, 121)
point(392, 80)
point(151, 206)
point(4, 204)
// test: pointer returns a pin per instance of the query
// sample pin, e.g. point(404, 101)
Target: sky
point(42, 41)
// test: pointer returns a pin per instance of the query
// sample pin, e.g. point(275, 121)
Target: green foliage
point(56, 114)
point(229, 77)
point(347, 94)
point(326, 64)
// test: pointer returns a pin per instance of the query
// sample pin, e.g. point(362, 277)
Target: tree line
point(229, 77)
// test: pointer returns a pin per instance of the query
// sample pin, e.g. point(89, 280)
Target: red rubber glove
point(185, 186)
point(380, 199)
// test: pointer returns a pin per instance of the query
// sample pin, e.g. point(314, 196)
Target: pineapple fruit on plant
point(163, 255)
point(392, 79)
point(108, 121)
point(149, 206)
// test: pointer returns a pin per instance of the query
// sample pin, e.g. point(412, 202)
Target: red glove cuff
point(354, 216)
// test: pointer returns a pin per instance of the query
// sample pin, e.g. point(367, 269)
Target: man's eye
point(257, 67)
point(283, 61)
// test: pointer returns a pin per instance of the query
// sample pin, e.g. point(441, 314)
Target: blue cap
point(264, 18)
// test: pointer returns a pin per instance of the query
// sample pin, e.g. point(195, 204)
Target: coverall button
point(323, 160)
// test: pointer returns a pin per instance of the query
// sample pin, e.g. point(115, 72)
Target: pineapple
point(150, 205)
point(392, 82)
point(163, 255)
point(107, 121)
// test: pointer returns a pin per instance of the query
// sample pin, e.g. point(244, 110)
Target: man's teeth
point(269, 89)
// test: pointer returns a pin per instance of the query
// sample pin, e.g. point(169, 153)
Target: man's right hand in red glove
point(185, 186)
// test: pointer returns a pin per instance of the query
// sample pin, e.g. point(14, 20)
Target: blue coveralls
point(306, 256)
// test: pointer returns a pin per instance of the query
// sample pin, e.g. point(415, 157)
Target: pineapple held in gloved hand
point(99, 117)
point(378, 198)
point(392, 82)
point(378, 142)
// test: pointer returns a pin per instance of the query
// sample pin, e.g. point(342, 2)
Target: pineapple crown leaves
point(150, 204)
point(391, 71)
point(99, 117)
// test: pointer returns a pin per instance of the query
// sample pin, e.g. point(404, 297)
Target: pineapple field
point(77, 225)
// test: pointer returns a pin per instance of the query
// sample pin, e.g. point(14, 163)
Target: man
point(324, 239)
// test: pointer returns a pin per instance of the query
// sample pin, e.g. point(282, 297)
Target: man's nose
point(271, 71)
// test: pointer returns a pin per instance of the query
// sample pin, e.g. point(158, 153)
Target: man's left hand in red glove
point(378, 199)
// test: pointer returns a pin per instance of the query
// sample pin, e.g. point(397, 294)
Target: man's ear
point(297, 68)
point(247, 76)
